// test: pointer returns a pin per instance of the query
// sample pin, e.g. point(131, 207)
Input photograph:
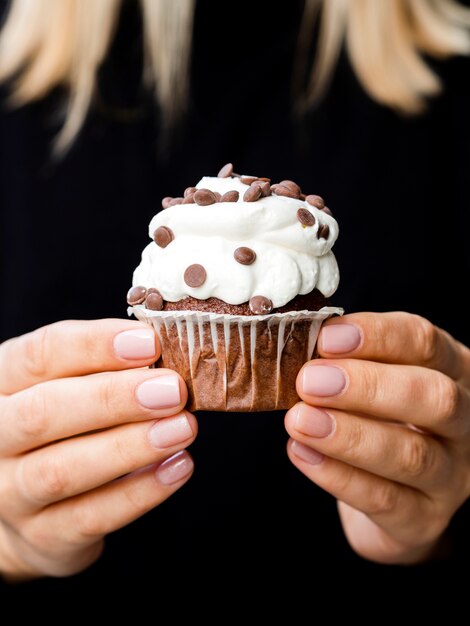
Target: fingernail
point(161, 392)
point(175, 468)
point(135, 344)
point(306, 454)
point(323, 380)
point(170, 431)
point(339, 338)
point(313, 422)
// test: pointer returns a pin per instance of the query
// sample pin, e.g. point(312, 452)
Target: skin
point(397, 455)
point(76, 461)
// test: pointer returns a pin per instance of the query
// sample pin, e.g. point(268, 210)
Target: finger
point(74, 466)
point(74, 348)
point(390, 505)
point(64, 408)
point(391, 451)
point(401, 338)
point(84, 519)
point(416, 395)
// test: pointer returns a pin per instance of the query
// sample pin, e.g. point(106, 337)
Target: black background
point(72, 232)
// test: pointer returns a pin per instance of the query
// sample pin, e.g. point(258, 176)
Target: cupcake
point(236, 282)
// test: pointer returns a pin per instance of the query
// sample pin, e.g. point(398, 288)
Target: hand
point(384, 426)
point(87, 443)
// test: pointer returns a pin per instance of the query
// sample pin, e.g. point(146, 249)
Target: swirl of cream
point(291, 258)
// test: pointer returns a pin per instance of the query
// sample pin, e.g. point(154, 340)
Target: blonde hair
point(45, 43)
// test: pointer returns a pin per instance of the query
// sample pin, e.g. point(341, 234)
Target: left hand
point(384, 426)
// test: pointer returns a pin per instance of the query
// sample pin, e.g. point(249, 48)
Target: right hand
point(87, 443)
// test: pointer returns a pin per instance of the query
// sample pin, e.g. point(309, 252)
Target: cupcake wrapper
point(237, 363)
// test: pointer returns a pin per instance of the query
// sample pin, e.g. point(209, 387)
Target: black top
point(72, 232)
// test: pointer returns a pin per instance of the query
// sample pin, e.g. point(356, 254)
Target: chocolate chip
point(260, 305)
point(163, 236)
point(327, 211)
point(245, 256)
point(195, 275)
point(226, 171)
point(230, 196)
point(302, 196)
point(315, 201)
point(247, 180)
point(136, 295)
point(166, 202)
point(175, 201)
point(305, 217)
point(294, 187)
point(189, 190)
point(288, 192)
point(154, 300)
point(204, 197)
point(265, 187)
point(253, 193)
point(189, 199)
point(323, 231)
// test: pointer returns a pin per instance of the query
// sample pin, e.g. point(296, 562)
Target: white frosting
point(290, 259)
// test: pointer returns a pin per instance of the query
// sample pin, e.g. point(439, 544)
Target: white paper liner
point(222, 372)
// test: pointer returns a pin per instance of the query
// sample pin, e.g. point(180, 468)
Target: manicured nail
point(323, 380)
point(161, 392)
point(175, 468)
point(340, 338)
point(306, 454)
point(313, 422)
point(135, 344)
point(170, 431)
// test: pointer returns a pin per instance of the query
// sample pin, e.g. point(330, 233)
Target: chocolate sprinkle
point(288, 192)
point(260, 305)
point(226, 171)
point(305, 217)
point(154, 300)
point(253, 193)
point(166, 202)
point(327, 211)
point(230, 196)
point(316, 201)
point(136, 295)
point(204, 197)
point(244, 255)
point(247, 180)
point(264, 186)
point(163, 236)
point(175, 201)
point(195, 275)
point(292, 186)
point(323, 231)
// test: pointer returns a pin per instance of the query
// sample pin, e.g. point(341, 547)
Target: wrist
point(12, 568)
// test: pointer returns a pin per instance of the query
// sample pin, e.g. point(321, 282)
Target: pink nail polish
point(175, 468)
point(323, 380)
point(161, 392)
point(313, 422)
point(170, 431)
point(340, 338)
point(135, 344)
point(310, 456)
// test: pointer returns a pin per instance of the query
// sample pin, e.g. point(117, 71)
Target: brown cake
point(235, 282)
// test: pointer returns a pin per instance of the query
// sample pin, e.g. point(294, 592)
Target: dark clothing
point(72, 231)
